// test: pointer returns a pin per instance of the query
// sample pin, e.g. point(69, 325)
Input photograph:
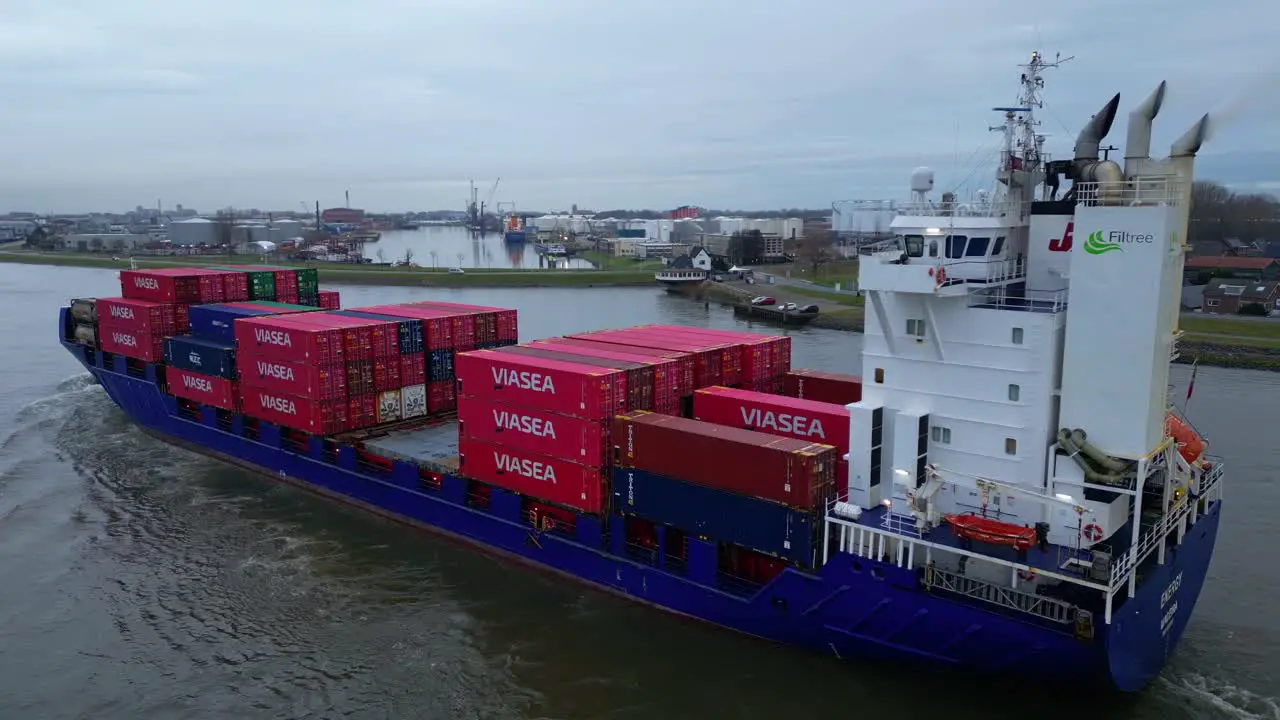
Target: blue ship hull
point(514, 236)
point(852, 607)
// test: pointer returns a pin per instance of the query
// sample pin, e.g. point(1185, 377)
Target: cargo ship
point(994, 493)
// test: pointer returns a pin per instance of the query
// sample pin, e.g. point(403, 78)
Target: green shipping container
point(262, 283)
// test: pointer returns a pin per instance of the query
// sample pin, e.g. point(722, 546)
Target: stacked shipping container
point(827, 387)
point(537, 424)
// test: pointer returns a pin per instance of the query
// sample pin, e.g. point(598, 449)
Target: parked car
point(809, 309)
point(763, 300)
point(788, 307)
point(455, 271)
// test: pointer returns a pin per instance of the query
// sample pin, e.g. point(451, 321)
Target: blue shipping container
point(410, 330)
point(217, 322)
point(740, 519)
point(200, 355)
point(439, 365)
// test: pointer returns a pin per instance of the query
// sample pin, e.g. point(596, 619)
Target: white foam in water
point(1225, 699)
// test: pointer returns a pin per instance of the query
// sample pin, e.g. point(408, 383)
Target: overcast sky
point(628, 103)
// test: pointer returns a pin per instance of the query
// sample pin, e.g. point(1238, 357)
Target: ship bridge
point(950, 249)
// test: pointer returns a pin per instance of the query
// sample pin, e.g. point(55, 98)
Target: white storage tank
point(195, 231)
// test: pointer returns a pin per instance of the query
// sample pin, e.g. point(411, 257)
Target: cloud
point(730, 103)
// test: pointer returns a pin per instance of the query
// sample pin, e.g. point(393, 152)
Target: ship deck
point(434, 446)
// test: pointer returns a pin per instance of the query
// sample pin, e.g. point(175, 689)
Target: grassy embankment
point(613, 274)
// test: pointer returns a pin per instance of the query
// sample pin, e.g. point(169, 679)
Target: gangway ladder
point(1044, 607)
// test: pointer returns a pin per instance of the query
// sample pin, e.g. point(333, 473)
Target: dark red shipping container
point(132, 343)
point(523, 428)
point(707, 368)
point(684, 360)
point(413, 369)
point(666, 372)
point(214, 391)
point(560, 387)
point(438, 327)
point(287, 295)
point(810, 420)
point(362, 411)
point(329, 299)
point(361, 379)
point(533, 475)
point(639, 377)
point(235, 286)
point(442, 396)
point(386, 373)
point(829, 387)
point(363, 338)
point(287, 337)
point(759, 353)
point(484, 322)
point(785, 470)
point(318, 417)
point(504, 318)
point(730, 350)
point(144, 316)
point(304, 379)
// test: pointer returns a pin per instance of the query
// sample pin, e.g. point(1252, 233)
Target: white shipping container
point(413, 401)
point(389, 406)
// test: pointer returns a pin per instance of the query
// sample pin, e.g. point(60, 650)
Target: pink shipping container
point(760, 353)
point(361, 379)
point(537, 476)
point(304, 379)
point(707, 368)
point(830, 387)
point(639, 375)
point(386, 373)
point(329, 299)
point(318, 417)
point(413, 369)
point(214, 391)
point(284, 337)
point(143, 316)
point(483, 321)
point(167, 285)
point(287, 295)
point(731, 351)
point(523, 428)
point(684, 361)
point(551, 385)
point(666, 372)
point(438, 327)
point(810, 420)
point(442, 396)
point(785, 470)
point(132, 343)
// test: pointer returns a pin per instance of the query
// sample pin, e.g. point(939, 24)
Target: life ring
point(940, 276)
point(1026, 575)
point(1091, 532)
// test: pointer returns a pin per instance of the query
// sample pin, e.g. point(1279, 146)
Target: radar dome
point(922, 180)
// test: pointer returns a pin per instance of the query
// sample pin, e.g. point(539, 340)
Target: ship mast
point(1022, 158)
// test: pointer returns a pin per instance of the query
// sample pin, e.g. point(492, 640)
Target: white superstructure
point(1015, 364)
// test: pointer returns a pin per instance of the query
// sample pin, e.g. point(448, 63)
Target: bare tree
point(815, 252)
point(408, 257)
point(224, 232)
point(382, 256)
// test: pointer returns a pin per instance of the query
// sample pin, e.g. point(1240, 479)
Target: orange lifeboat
point(1190, 445)
point(992, 532)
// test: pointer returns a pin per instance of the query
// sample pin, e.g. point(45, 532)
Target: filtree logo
point(1100, 243)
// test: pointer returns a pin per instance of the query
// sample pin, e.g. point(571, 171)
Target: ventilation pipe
point(1089, 141)
point(1138, 144)
point(1107, 174)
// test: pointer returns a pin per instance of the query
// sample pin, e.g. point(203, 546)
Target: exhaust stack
point(1089, 141)
point(1189, 144)
point(1138, 145)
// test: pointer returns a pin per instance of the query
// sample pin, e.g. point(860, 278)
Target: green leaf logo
point(1095, 245)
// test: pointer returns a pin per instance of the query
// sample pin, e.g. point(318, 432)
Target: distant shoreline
point(366, 275)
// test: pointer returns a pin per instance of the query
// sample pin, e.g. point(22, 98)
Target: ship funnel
point(1189, 144)
point(1090, 139)
point(1138, 144)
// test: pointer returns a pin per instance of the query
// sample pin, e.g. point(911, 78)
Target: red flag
point(1191, 386)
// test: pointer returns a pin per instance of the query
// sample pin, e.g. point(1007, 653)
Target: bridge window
point(915, 327)
point(1010, 446)
point(933, 248)
point(999, 246)
point(940, 434)
point(1017, 336)
point(915, 245)
point(977, 247)
point(955, 246)
point(1015, 392)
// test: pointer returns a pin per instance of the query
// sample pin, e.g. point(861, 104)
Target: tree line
point(1218, 213)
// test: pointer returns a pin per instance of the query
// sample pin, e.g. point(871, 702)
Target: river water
point(141, 581)
point(454, 246)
